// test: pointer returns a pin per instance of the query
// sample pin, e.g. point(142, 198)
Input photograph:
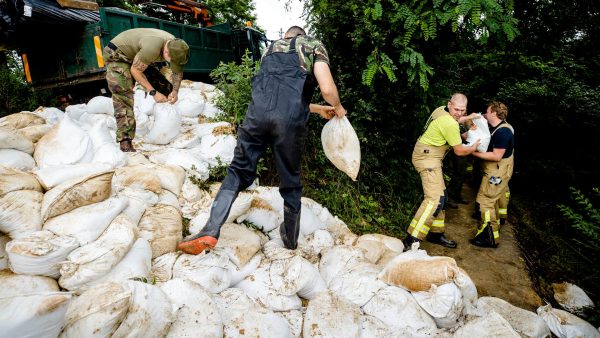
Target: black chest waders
point(276, 116)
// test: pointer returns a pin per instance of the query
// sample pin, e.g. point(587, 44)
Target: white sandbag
point(259, 287)
point(88, 222)
point(40, 253)
point(443, 303)
point(186, 140)
point(16, 159)
point(262, 216)
point(211, 111)
point(3, 255)
point(139, 201)
point(216, 149)
point(414, 270)
point(167, 123)
point(242, 203)
point(34, 315)
point(241, 314)
point(87, 121)
point(13, 139)
point(196, 313)
point(190, 105)
point(150, 312)
point(15, 180)
point(309, 222)
point(91, 261)
point(341, 145)
point(312, 245)
point(137, 158)
point(52, 176)
point(525, 323)
point(50, 114)
point(491, 325)
point(294, 318)
point(183, 158)
point(398, 309)
point(377, 246)
point(75, 111)
point(76, 193)
point(342, 235)
point(203, 129)
point(162, 267)
point(105, 148)
point(143, 124)
point(210, 270)
point(21, 120)
point(338, 260)
point(192, 199)
point(239, 243)
point(358, 284)
point(238, 274)
point(168, 198)
point(328, 315)
point(20, 213)
point(97, 312)
point(481, 133)
point(18, 285)
point(571, 297)
point(100, 105)
point(143, 103)
point(135, 264)
point(171, 177)
point(137, 177)
point(66, 143)
point(198, 221)
point(35, 133)
point(161, 226)
point(468, 291)
point(566, 325)
point(375, 328)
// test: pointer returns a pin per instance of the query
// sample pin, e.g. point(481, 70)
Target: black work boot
point(207, 238)
point(126, 146)
point(485, 238)
point(408, 242)
point(290, 229)
point(440, 239)
point(502, 221)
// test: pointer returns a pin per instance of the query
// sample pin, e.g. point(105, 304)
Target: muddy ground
point(499, 272)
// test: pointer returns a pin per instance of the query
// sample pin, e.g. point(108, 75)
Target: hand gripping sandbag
point(341, 145)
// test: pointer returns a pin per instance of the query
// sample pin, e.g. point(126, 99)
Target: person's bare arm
point(326, 112)
point(494, 156)
point(176, 81)
point(137, 72)
point(463, 150)
point(328, 89)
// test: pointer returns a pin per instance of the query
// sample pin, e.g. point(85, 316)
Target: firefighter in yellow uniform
point(441, 133)
point(498, 164)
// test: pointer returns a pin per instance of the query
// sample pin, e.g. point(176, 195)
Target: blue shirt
point(503, 138)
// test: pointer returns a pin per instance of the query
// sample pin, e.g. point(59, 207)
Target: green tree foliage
point(236, 12)
point(584, 218)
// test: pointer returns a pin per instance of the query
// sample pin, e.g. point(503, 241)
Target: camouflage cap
point(179, 52)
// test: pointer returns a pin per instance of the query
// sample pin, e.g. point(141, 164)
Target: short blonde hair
point(500, 109)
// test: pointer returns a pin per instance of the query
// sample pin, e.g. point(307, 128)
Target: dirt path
point(499, 272)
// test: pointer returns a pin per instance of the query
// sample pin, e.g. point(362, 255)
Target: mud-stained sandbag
point(259, 287)
point(373, 327)
point(40, 253)
point(341, 145)
point(168, 198)
point(162, 267)
point(571, 297)
point(97, 312)
point(328, 315)
point(66, 143)
point(184, 158)
point(491, 325)
point(139, 201)
point(88, 222)
point(3, 255)
point(21, 120)
point(358, 284)
point(192, 199)
point(17, 285)
point(238, 274)
point(35, 133)
point(312, 245)
point(338, 260)
point(76, 193)
point(34, 315)
point(20, 213)
point(161, 225)
point(414, 270)
point(89, 262)
point(186, 140)
point(100, 105)
point(341, 233)
point(171, 177)
point(203, 129)
point(135, 264)
point(210, 270)
point(262, 215)
point(443, 303)
point(15, 180)
point(379, 246)
point(16, 159)
point(52, 176)
point(241, 314)
point(294, 318)
point(398, 309)
point(526, 323)
point(150, 312)
point(196, 311)
point(50, 114)
point(566, 325)
point(216, 149)
point(13, 139)
point(137, 177)
point(167, 124)
point(239, 242)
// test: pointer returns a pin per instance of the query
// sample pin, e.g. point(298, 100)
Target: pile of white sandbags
point(88, 239)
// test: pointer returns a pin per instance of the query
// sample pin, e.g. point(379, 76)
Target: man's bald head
point(294, 31)
point(457, 105)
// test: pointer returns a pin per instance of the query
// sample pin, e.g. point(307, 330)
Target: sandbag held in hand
point(341, 145)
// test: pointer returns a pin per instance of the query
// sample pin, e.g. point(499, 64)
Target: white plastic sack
point(167, 123)
point(358, 284)
point(16, 159)
point(51, 115)
point(143, 103)
point(101, 105)
point(66, 143)
point(526, 323)
point(183, 158)
point(571, 297)
point(373, 327)
point(135, 264)
point(87, 121)
point(262, 216)
point(18, 285)
point(443, 303)
point(52, 176)
point(210, 270)
point(341, 145)
point(14, 180)
point(75, 111)
point(139, 201)
point(161, 226)
point(34, 315)
point(186, 140)
point(566, 325)
point(105, 148)
point(21, 120)
point(338, 260)
point(190, 105)
point(238, 274)
point(35, 133)
point(20, 213)
point(312, 245)
point(377, 246)
point(217, 149)
point(259, 287)
point(491, 325)
point(162, 267)
point(13, 139)
point(481, 133)
point(328, 315)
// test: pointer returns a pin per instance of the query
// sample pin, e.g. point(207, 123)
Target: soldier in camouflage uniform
point(276, 117)
point(137, 55)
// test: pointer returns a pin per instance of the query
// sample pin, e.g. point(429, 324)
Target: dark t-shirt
point(503, 138)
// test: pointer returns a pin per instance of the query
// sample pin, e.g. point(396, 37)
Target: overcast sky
point(272, 16)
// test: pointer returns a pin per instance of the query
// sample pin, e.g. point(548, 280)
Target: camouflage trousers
point(120, 83)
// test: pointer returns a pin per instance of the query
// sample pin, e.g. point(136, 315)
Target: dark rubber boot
point(485, 238)
point(290, 229)
point(440, 239)
point(126, 146)
point(408, 241)
point(207, 238)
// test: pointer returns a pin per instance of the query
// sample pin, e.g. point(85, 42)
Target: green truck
point(69, 57)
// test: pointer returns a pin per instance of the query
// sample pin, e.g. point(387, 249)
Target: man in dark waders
point(277, 116)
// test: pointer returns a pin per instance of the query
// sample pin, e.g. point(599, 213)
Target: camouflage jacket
point(310, 50)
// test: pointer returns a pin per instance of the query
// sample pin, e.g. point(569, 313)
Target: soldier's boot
point(408, 242)
point(440, 239)
point(290, 229)
point(485, 237)
point(207, 238)
point(126, 146)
